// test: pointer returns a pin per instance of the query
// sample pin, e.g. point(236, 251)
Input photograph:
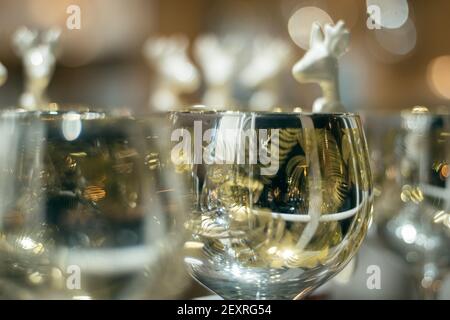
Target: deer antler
point(23, 39)
point(337, 38)
point(160, 47)
point(333, 39)
point(175, 73)
point(51, 38)
point(319, 64)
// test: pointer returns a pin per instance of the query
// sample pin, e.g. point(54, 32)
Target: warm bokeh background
point(102, 63)
point(403, 64)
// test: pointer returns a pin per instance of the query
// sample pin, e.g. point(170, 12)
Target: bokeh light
point(299, 25)
point(71, 126)
point(399, 41)
point(393, 13)
point(391, 45)
point(438, 76)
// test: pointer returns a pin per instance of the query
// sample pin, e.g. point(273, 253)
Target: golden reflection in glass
point(88, 208)
point(281, 234)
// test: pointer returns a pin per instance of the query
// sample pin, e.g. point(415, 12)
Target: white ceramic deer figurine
point(217, 61)
point(175, 73)
point(320, 64)
point(38, 52)
point(3, 74)
point(269, 58)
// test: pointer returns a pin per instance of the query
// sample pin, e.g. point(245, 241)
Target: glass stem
point(429, 282)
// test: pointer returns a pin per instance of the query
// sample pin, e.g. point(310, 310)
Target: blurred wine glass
point(282, 201)
point(88, 207)
point(382, 132)
point(415, 221)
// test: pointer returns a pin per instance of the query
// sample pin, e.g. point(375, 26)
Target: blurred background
point(398, 62)
point(404, 63)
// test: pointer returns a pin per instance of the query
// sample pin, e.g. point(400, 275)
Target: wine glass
point(282, 201)
point(88, 207)
point(416, 224)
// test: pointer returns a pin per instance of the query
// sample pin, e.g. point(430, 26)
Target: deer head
point(3, 74)
point(268, 60)
point(38, 52)
point(168, 55)
point(269, 57)
point(217, 59)
point(320, 63)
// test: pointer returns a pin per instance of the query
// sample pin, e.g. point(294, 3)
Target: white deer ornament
point(38, 53)
point(270, 56)
point(320, 64)
point(217, 60)
point(3, 74)
point(175, 73)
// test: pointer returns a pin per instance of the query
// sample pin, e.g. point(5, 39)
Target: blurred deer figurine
point(38, 52)
point(175, 73)
point(320, 64)
point(269, 58)
point(217, 60)
point(3, 74)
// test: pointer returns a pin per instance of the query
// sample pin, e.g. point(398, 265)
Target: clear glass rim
point(84, 114)
point(402, 113)
point(265, 113)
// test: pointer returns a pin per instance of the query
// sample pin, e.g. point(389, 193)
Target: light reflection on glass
point(71, 126)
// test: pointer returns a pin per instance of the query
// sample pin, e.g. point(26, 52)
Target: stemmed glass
point(416, 224)
point(282, 201)
point(88, 207)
